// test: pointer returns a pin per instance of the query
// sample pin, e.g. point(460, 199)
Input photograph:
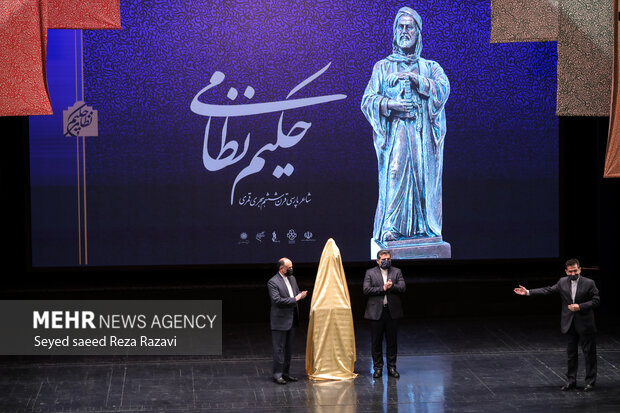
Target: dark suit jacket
point(283, 306)
point(373, 287)
point(587, 298)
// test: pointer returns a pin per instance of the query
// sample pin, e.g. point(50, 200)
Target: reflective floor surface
point(481, 365)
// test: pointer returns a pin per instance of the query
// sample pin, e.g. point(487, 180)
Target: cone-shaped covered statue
point(330, 350)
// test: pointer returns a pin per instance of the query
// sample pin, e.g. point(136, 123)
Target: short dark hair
point(383, 252)
point(571, 262)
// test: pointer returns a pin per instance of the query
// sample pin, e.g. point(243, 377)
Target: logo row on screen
point(263, 237)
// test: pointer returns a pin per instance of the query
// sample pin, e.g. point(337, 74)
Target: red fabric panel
point(612, 158)
point(80, 14)
point(23, 44)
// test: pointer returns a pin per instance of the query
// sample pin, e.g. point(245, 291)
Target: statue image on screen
point(404, 102)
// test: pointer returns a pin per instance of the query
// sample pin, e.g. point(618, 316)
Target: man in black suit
point(284, 294)
point(579, 298)
point(382, 285)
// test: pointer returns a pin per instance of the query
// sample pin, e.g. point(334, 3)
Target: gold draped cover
point(330, 347)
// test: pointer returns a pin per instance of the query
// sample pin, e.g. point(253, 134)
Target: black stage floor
point(473, 365)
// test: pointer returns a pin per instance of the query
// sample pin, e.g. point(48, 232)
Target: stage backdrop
point(231, 132)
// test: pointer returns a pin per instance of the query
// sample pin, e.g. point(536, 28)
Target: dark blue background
point(151, 201)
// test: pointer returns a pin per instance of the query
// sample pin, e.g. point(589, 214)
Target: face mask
point(289, 272)
point(385, 264)
point(573, 277)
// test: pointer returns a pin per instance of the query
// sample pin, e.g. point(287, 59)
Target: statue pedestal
point(413, 248)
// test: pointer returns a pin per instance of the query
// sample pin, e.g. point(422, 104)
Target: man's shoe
point(280, 380)
point(289, 378)
point(392, 372)
point(569, 386)
point(376, 374)
point(589, 387)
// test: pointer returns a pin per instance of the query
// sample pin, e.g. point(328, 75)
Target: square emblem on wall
point(80, 120)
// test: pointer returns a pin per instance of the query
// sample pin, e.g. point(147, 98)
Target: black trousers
point(588, 347)
point(282, 351)
point(386, 327)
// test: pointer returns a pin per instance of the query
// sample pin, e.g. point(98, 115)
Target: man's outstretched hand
point(521, 290)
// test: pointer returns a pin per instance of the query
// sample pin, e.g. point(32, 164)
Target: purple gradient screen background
point(152, 202)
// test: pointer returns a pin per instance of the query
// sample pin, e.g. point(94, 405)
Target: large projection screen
point(154, 189)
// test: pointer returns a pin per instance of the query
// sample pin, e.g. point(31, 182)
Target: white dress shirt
point(573, 288)
point(384, 273)
point(288, 285)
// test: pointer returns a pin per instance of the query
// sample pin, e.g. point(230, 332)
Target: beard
point(406, 42)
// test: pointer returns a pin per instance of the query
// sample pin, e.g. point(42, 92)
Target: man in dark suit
point(284, 294)
point(382, 285)
point(579, 298)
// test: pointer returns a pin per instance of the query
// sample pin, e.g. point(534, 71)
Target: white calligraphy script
point(231, 148)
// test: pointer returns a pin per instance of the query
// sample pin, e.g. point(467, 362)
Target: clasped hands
point(394, 78)
point(401, 104)
point(301, 295)
point(387, 285)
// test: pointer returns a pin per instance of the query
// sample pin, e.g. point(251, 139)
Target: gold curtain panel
point(585, 57)
point(524, 21)
point(330, 347)
point(584, 32)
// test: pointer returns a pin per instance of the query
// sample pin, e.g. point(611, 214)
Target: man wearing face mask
point(382, 285)
point(284, 294)
point(579, 298)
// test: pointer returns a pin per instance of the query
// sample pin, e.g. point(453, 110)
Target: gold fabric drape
point(585, 56)
point(330, 347)
point(612, 158)
point(524, 21)
point(584, 32)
